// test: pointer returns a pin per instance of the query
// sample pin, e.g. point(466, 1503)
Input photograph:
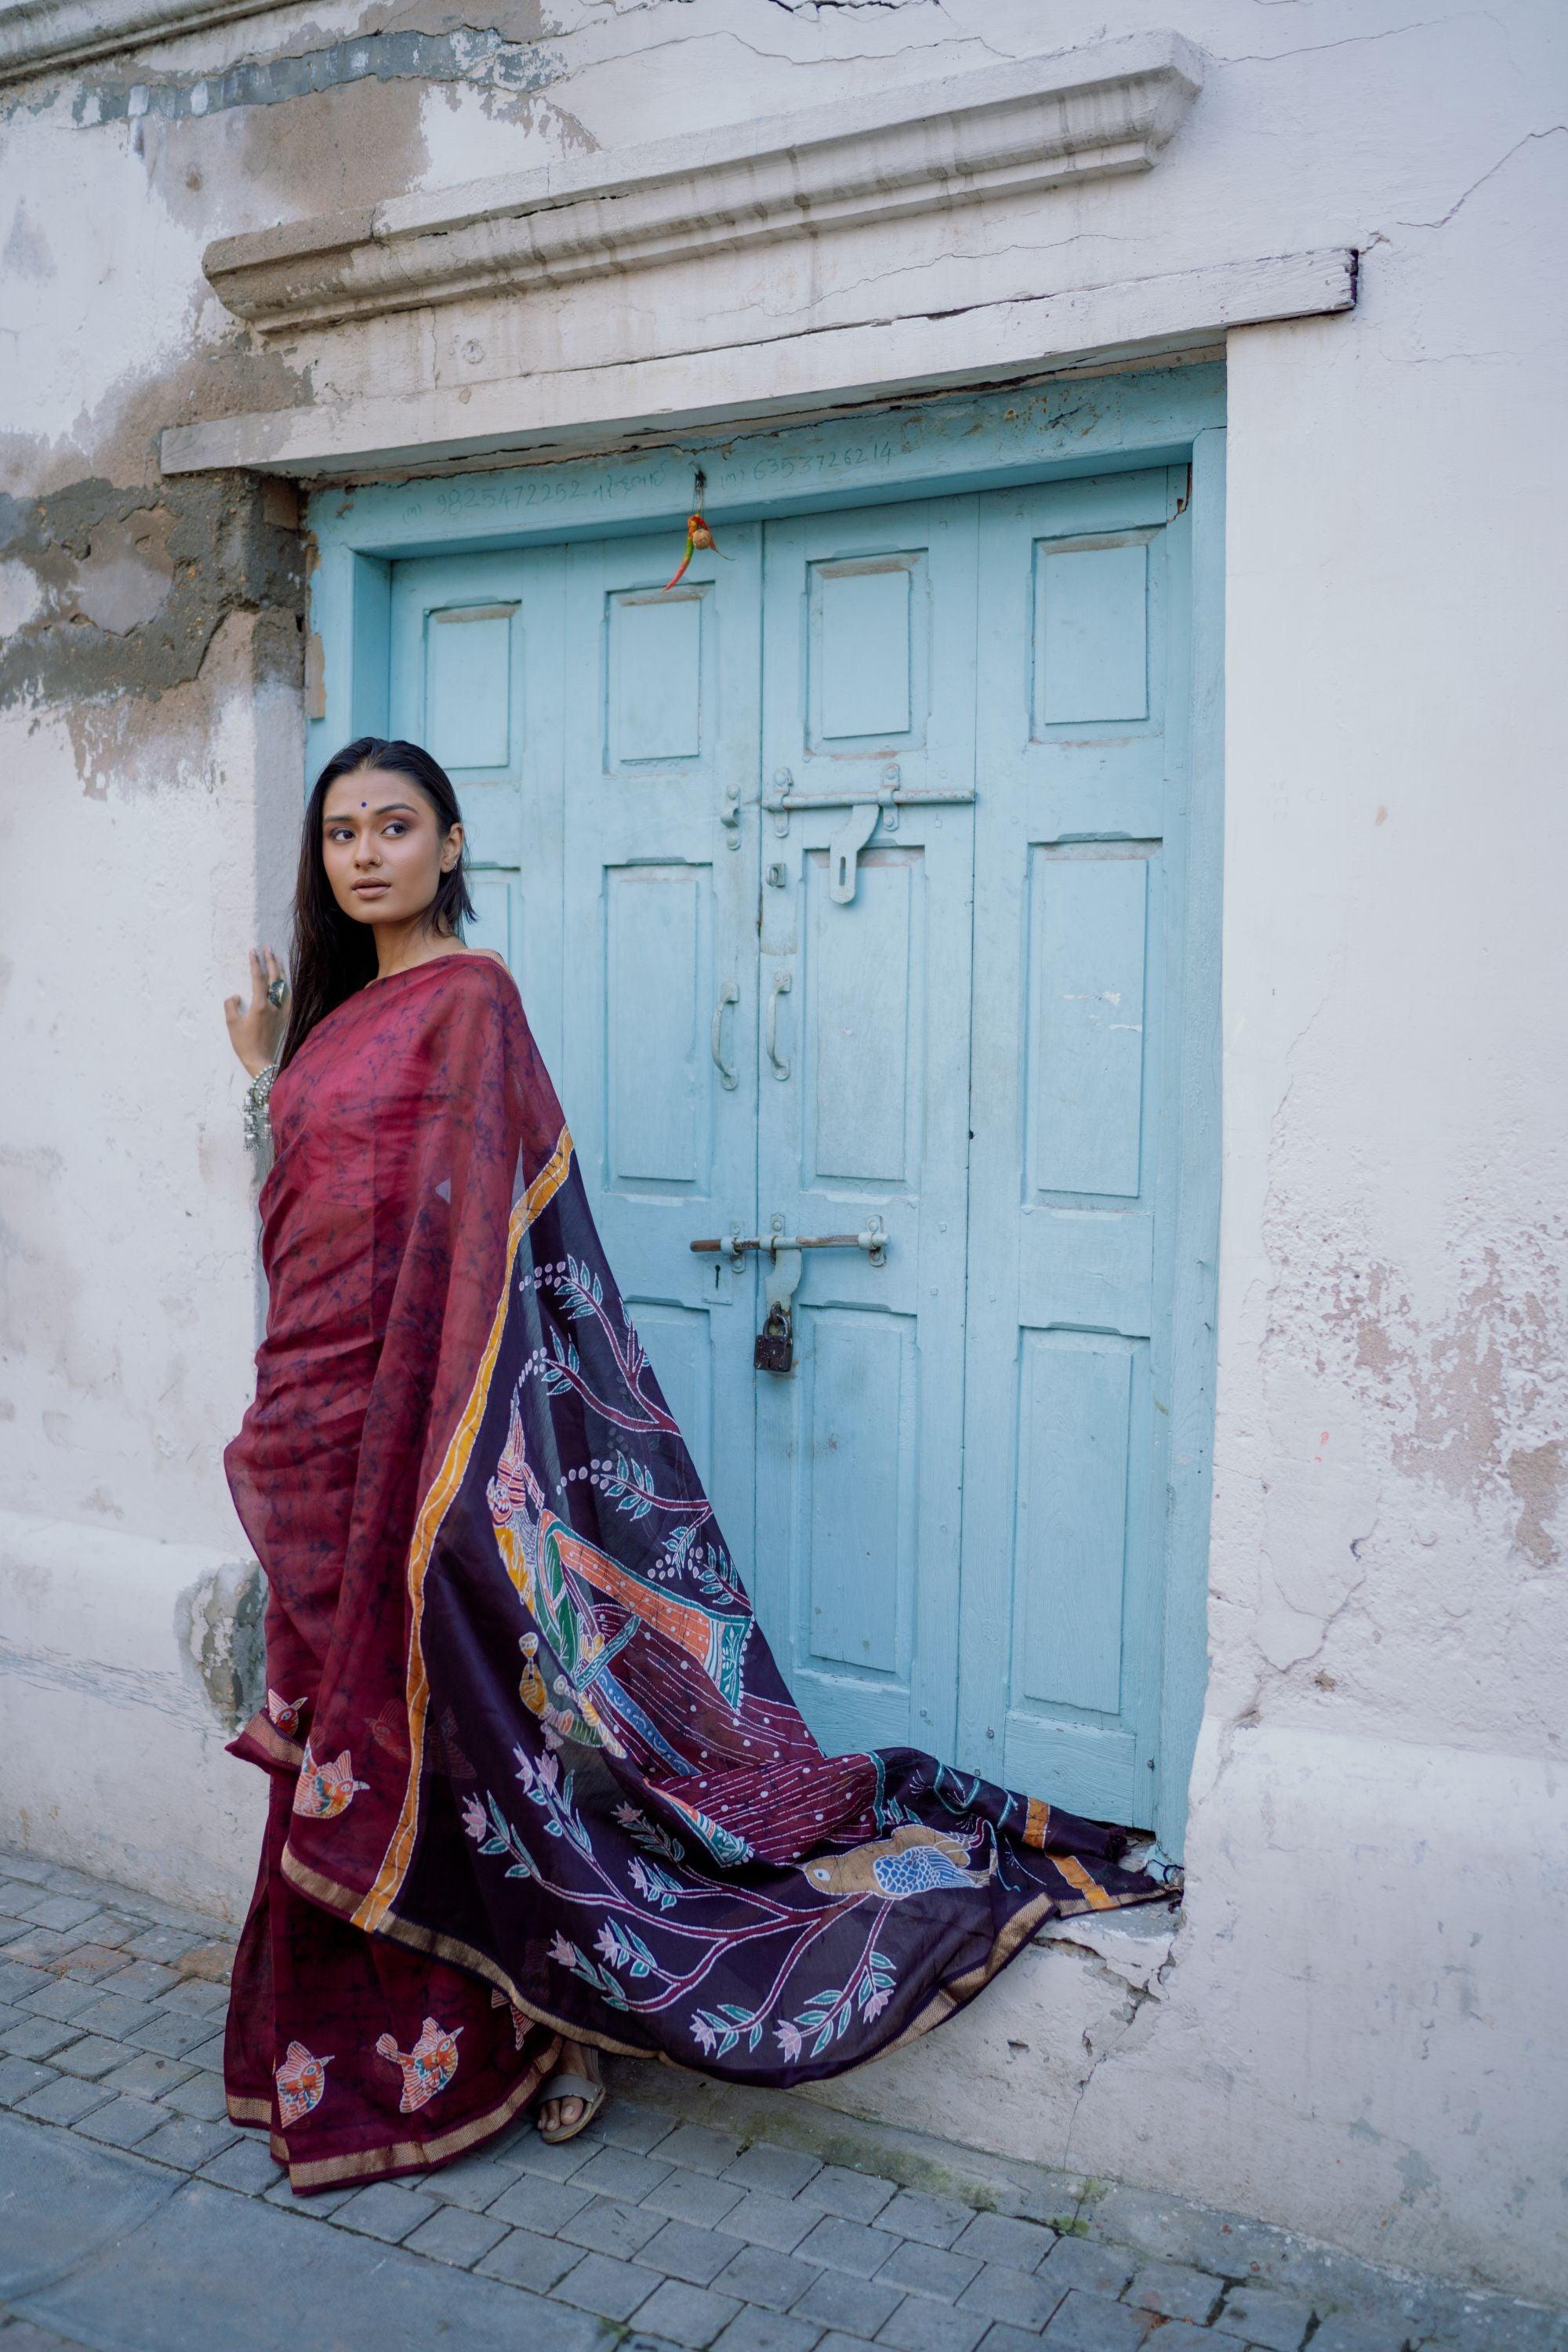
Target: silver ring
point(277, 990)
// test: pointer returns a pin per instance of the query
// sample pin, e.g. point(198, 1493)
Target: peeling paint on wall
point(480, 56)
point(1462, 1398)
point(218, 1631)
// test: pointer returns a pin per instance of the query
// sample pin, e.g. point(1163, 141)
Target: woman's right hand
point(255, 1029)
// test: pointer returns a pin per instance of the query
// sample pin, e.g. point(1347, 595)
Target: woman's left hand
point(255, 1029)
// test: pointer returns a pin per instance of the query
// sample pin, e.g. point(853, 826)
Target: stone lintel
point(575, 412)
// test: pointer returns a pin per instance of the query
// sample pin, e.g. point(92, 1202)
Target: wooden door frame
point(921, 448)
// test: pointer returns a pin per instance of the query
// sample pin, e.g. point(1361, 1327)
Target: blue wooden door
point(846, 887)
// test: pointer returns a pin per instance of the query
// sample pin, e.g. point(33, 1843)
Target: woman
point(537, 1787)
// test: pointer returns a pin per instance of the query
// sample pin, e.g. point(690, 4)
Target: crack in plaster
point(1317, 49)
point(1140, 2000)
point(1553, 131)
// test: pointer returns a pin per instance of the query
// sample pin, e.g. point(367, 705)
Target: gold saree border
point(263, 1733)
point(404, 2155)
point(960, 1992)
point(944, 2003)
point(1094, 1896)
point(452, 1949)
point(377, 1904)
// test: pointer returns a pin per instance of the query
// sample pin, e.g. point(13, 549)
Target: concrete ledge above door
point(581, 411)
point(40, 37)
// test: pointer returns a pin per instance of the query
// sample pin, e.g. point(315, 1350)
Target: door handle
point(729, 994)
point(783, 982)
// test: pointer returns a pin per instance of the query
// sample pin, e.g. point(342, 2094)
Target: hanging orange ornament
point(698, 535)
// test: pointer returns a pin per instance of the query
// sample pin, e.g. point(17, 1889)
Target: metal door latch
point(774, 1349)
point(863, 809)
point(872, 1239)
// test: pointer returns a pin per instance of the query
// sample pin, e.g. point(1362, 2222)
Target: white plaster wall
point(1368, 1953)
point(1352, 2034)
point(113, 1661)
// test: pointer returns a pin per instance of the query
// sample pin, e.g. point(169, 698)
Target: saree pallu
point(534, 1771)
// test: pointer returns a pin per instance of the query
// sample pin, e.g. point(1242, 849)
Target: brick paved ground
point(132, 2214)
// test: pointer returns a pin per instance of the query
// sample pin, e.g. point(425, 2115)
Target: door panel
point(661, 746)
point(658, 642)
point(1068, 1341)
point(581, 717)
point(1083, 1073)
point(860, 1003)
point(868, 618)
point(476, 676)
point(859, 1411)
point(1092, 631)
point(658, 985)
point(868, 638)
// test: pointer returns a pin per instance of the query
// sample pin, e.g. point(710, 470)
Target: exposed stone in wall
point(119, 592)
point(219, 1630)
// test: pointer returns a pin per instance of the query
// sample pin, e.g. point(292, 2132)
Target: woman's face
point(384, 846)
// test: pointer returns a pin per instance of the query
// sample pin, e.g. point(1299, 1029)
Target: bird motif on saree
point(326, 1790)
point(284, 1713)
point(301, 2079)
point(428, 2068)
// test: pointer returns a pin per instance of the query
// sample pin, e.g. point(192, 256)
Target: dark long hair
point(331, 955)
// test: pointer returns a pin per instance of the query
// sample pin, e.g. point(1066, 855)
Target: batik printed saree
point(534, 1772)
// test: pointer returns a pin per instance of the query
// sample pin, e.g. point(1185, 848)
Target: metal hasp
point(845, 844)
point(873, 1240)
point(775, 1351)
point(864, 810)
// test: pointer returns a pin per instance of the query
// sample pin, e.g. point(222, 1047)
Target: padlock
point(776, 1343)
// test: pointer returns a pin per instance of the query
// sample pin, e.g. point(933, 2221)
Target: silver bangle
point(258, 1121)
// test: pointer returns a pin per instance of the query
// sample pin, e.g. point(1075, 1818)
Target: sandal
point(588, 2088)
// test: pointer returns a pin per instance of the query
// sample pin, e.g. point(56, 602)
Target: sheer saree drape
point(534, 1771)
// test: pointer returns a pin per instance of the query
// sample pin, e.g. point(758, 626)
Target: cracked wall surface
point(1345, 2030)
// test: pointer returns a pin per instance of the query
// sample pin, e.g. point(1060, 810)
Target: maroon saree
point(534, 1772)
